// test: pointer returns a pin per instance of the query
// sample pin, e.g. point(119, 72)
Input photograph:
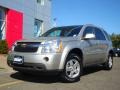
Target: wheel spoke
point(71, 74)
point(76, 65)
point(76, 71)
point(68, 68)
point(71, 63)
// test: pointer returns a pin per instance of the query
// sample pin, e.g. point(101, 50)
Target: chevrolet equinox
point(64, 49)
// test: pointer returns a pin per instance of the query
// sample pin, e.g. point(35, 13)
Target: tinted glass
point(88, 30)
point(68, 31)
point(108, 37)
point(74, 32)
point(99, 34)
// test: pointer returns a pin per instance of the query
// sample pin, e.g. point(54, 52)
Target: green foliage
point(115, 40)
point(3, 47)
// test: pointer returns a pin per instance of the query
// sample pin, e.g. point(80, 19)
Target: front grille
point(27, 46)
point(29, 66)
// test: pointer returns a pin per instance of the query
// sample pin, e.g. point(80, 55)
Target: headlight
point(54, 46)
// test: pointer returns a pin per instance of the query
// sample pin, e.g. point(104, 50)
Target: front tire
point(72, 69)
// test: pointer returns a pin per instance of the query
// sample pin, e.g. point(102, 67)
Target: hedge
point(3, 47)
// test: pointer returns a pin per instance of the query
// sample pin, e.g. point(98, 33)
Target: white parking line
point(10, 83)
point(2, 72)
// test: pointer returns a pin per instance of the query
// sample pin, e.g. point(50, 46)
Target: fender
point(65, 53)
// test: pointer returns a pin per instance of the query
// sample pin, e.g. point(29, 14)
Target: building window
point(2, 23)
point(38, 24)
point(41, 2)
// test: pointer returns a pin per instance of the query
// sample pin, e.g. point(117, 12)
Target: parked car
point(116, 52)
point(65, 50)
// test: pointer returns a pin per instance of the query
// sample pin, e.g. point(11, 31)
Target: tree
point(115, 40)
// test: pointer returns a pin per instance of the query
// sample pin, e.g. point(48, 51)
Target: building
point(23, 19)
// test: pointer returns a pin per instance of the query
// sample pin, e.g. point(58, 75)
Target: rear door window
point(99, 34)
point(107, 36)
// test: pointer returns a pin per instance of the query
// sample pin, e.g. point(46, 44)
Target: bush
point(3, 47)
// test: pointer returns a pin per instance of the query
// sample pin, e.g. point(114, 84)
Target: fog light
point(46, 58)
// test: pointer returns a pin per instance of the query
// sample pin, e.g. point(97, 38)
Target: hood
point(41, 39)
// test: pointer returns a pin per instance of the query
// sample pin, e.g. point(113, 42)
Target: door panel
point(102, 45)
point(90, 47)
point(102, 48)
point(90, 51)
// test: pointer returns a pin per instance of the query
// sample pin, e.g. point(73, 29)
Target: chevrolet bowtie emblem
point(23, 45)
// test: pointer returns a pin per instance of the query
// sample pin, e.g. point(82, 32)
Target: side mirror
point(89, 36)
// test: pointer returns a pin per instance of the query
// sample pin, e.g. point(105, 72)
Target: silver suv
point(64, 49)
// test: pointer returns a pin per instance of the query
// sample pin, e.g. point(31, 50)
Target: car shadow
point(92, 69)
point(51, 78)
point(36, 78)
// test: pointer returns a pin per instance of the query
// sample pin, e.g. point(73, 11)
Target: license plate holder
point(18, 60)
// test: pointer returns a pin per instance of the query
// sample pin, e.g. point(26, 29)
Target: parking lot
point(94, 78)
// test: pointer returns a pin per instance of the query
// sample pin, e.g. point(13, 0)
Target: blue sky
point(103, 13)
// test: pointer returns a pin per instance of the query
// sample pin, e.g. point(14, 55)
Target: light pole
point(54, 22)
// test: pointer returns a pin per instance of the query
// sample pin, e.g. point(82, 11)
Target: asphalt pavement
point(94, 78)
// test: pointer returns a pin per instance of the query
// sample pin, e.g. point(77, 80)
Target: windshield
point(68, 31)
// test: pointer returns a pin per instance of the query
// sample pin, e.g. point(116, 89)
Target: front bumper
point(35, 62)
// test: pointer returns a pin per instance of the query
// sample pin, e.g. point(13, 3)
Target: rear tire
point(72, 69)
point(109, 63)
